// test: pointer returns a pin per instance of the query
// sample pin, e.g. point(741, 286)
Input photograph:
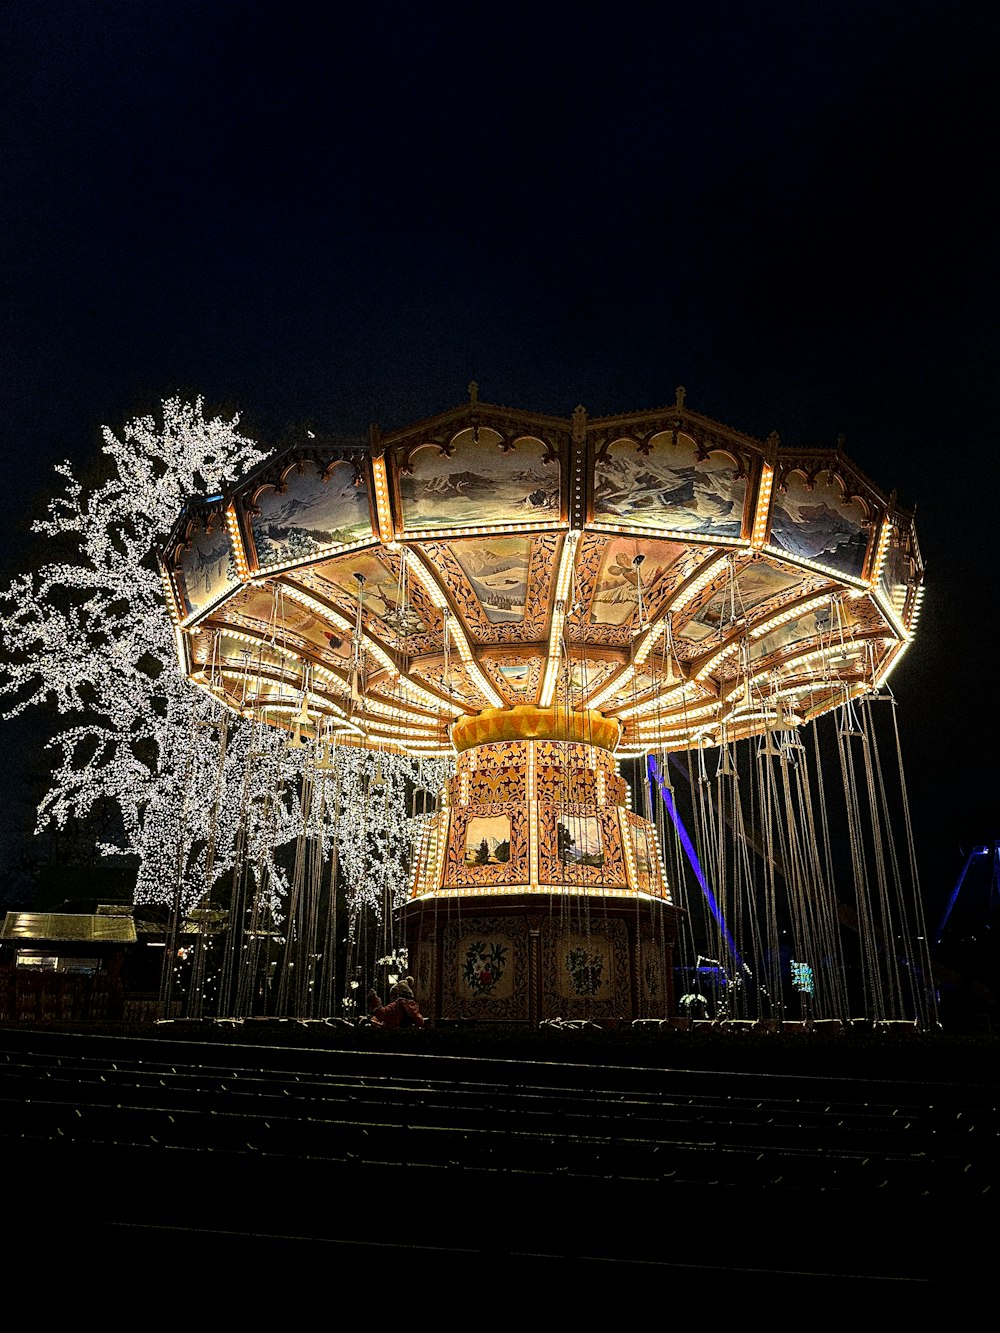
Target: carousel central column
point(537, 892)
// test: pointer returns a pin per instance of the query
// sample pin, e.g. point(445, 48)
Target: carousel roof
point(674, 574)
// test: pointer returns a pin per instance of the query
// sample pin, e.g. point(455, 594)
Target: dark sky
point(788, 208)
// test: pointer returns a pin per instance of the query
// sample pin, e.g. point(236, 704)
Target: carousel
point(546, 600)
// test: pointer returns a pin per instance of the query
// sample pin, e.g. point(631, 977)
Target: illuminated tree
point(87, 633)
point(197, 789)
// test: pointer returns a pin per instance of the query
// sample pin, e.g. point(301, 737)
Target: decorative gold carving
point(527, 721)
point(513, 871)
point(596, 842)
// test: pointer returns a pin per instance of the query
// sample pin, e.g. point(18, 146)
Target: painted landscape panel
point(480, 483)
point(487, 840)
point(517, 675)
point(206, 570)
point(255, 610)
point(498, 572)
point(379, 589)
point(817, 524)
point(311, 515)
point(832, 628)
point(579, 840)
point(670, 488)
point(616, 593)
point(754, 584)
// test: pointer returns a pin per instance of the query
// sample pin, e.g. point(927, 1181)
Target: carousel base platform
point(525, 958)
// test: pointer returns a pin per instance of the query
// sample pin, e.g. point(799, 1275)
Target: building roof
point(65, 927)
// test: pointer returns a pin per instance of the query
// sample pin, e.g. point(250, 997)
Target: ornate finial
point(680, 393)
point(771, 447)
point(473, 393)
point(579, 423)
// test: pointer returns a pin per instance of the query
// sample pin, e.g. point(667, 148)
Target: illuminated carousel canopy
point(648, 580)
point(539, 596)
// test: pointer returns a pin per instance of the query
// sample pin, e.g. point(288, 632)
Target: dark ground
point(896, 1053)
point(532, 1164)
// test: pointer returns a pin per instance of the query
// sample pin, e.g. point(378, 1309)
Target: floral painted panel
point(585, 971)
point(587, 968)
point(486, 964)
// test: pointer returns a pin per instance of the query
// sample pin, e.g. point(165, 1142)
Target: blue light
point(692, 856)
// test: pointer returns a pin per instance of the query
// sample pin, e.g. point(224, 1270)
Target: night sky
point(788, 208)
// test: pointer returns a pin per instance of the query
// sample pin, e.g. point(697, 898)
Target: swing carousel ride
point(542, 598)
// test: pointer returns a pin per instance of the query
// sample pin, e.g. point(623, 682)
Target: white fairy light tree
point(198, 790)
point(87, 633)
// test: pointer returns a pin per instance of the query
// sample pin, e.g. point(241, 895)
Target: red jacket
point(398, 1014)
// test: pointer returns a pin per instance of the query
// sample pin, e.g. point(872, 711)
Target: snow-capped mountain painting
point(480, 484)
point(817, 525)
point(205, 568)
point(578, 839)
point(670, 488)
point(754, 584)
point(498, 572)
point(821, 624)
point(311, 515)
